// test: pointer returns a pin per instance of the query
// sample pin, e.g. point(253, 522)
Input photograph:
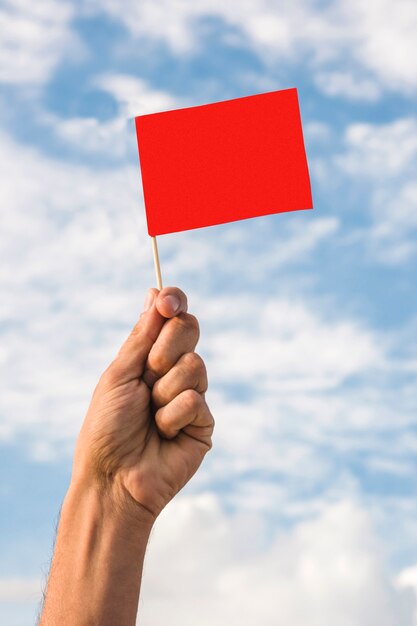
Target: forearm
point(97, 566)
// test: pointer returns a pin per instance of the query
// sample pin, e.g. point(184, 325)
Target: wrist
point(111, 502)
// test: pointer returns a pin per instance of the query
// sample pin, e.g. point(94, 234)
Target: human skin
point(145, 434)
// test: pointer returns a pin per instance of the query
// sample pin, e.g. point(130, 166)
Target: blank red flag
point(223, 162)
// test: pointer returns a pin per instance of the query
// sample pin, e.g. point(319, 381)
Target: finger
point(131, 359)
point(171, 301)
point(178, 336)
point(188, 373)
point(187, 413)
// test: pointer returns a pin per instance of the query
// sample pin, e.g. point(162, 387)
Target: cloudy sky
point(305, 511)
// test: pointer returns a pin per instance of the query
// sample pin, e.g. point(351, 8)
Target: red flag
point(223, 162)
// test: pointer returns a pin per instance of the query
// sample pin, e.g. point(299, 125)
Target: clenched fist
point(148, 426)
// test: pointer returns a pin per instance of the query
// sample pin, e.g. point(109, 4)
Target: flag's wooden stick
point(156, 262)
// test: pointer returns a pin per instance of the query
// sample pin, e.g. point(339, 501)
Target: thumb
point(130, 362)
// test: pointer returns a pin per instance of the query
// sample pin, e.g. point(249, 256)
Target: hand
point(148, 426)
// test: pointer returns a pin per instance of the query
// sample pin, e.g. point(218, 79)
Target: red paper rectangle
point(223, 162)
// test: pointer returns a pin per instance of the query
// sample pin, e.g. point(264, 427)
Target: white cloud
point(240, 248)
point(88, 135)
point(307, 352)
point(135, 95)
point(115, 138)
point(347, 85)
point(383, 158)
point(58, 218)
point(297, 397)
point(380, 151)
point(368, 38)
point(35, 36)
point(376, 46)
point(317, 132)
point(407, 579)
point(383, 40)
point(18, 590)
point(208, 568)
point(395, 217)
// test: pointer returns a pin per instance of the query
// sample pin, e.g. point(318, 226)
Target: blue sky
point(308, 319)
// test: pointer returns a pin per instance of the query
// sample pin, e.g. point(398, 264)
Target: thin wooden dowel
point(156, 262)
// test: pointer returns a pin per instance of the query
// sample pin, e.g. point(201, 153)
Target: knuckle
point(158, 390)
point(161, 393)
point(160, 419)
point(163, 423)
point(158, 362)
point(193, 324)
point(193, 361)
point(193, 365)
point(190, 401)
point(210, 418)
point(187, 323)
